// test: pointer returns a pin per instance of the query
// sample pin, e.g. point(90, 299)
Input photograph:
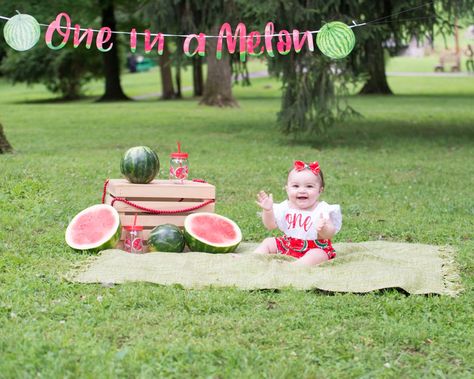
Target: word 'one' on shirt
point(302, 224)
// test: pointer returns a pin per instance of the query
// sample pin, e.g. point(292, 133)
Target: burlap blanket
point(359, 267)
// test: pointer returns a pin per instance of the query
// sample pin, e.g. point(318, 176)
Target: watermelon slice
point(211, 233)
point(94, 229)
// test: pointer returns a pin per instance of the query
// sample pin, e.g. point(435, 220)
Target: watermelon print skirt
point(295, 247)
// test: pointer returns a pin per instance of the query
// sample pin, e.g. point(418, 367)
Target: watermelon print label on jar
point(179, 169)
point(134, 239)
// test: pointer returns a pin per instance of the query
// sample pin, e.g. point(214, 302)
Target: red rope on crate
point(151, 210)
point(106, 183)
point(162, 212)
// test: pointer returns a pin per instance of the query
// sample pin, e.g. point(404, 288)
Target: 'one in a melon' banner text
point(335, 39)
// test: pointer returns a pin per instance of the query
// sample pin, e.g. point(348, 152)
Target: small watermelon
point(140, 165)
point(335, 40)
point(166, 238)
point(94, 229)
point(211, 233)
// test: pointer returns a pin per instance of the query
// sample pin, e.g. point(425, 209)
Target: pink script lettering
point(295, 220)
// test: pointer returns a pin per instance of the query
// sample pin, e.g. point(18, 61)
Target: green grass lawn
point(402, 172)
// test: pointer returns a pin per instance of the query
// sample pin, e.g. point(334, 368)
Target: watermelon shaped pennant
point(336, 40)
point(21, 32)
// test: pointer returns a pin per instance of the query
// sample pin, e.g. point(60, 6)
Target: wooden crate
point(159, 194)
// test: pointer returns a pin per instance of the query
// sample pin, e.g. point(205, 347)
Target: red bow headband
point(313, 166)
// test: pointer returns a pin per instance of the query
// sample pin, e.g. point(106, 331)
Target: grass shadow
point(370, 133)
point(380, 292)
point(57, 100)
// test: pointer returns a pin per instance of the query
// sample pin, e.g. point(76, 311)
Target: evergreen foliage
point(314, 87)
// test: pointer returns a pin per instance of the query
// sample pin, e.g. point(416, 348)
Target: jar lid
point(129, 228)
point(180, 155)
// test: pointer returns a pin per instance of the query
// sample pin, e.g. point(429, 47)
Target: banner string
point(405, 19)
point(354, 25)
point(404, 11)
point(175, 35)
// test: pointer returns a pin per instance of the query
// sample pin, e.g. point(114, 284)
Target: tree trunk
point(375, 63)
point(5, 146)
point(178, 94)
point(113, 88)
point(166, 75)
point(198, 79)
point(218, 89)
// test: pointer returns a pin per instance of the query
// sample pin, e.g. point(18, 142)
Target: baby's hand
point(323, 221)
point(321, 224)
point(265, 201)
point(324, 227)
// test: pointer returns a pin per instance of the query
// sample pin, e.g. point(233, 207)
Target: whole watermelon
point(166, 238)
point(140, 164)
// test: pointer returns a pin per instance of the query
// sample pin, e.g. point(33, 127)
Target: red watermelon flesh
point(92, 227)
point(212, 229)
point(95, 228)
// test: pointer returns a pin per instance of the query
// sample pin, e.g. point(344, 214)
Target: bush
point(63, 71)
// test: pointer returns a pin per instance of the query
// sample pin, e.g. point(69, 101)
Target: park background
point(402, 171)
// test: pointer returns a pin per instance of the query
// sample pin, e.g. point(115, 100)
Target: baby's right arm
point(265, 202)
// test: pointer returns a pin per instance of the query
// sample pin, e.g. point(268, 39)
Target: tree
point(218, 87)
point(371, 52)
point(198, 77)
point(5, 146)
point(398, 21)
point(191, 19)
point(313, 85)
point(63, 71)
point(166, 75)
point(374, 59)
point(113, 87)
point(66, 70)
point(163, 15)
point(184, 17)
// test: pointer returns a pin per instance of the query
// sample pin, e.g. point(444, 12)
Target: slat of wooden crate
point(161, 188)
point(152, 220)
point(159, 205)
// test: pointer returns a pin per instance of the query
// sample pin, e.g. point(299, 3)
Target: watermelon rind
point(198, 243)
point(140, 164)
point(109, 241)
point(167, 238)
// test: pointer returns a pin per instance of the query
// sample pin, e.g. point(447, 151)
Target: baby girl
point(307, 223)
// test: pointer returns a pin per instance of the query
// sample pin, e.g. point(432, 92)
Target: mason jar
point(134, 239)
point(179, 167)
